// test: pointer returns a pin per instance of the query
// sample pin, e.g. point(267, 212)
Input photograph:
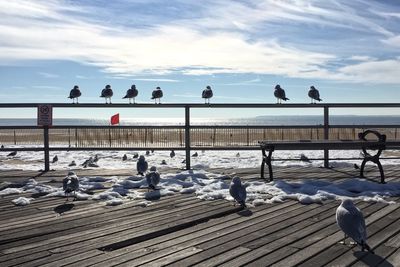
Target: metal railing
point(187, 137)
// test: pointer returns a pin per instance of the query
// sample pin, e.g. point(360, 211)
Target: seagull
point(153, 177)
point(12, 154)
point(157, 94)
point(73, 163)
point(195, 154)
point(75, 93)
point(125, 157)
point(280, 95)
point(141, 165)
point(172, 154)
point(207, 94)
point(135, 155)
point(314, 94)
point(107, 93)
point(163, 162)
point(351, 221)
point(131, 93)
point(55, 159)
point(147, 153)
point(2, 146)
point(238, 191)
point(70, 183)
point(96, 158)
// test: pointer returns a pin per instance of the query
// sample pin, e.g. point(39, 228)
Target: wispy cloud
point(239, 37)
point(48, 75)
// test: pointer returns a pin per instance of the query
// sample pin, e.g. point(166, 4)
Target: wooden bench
point(379, 145)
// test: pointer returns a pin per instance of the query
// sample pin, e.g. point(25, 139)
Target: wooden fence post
point(187, 136)
point(46, 148)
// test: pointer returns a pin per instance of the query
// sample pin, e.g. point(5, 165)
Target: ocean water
point(260, 120)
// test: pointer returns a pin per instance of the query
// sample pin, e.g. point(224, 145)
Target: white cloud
point(48, 75)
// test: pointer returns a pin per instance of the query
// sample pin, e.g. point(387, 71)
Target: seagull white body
point(74, 94)
point(314, 95)
point(131, 94)
point(107, 93)
point(351, 222)
point(207, 94)
point(141, 165)
point(157, 94)
point(70, 184)
point(153, 178)
point(280, 95)
point(238, 191)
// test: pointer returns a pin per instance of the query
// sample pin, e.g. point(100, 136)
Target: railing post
point(187, 136)
point(46, 148)
point(326, 135)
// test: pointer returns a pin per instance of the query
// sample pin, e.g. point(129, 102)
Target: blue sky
point(349, 50)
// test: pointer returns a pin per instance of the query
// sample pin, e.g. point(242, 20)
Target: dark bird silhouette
point(131, 93)
point(172, 154)
point(73, 163)
point(195, 154)
point(238, 191)
point(135, 155)
point(2, 146)
point(107, 93)
point(163, 162)
point(70, 184)
point(356, 166)
point(12, 154)
point(207, 94)
point(314, 94)
point(141, 165)
point(96, 158)
point(280, 95)
point(351, 222)
point(147, 153)
point(74, 94)
point(153, 177)
point(55, 159)
point(157, 94)
point(125, 157)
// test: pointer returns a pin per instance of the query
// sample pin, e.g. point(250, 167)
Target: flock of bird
point(207, 94)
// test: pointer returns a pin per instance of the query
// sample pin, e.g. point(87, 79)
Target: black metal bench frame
point(362, 143)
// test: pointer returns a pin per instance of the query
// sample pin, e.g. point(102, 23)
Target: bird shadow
point(40, 194)
point(245, 213)
point(152, 195)
point(60, 209)
point(371, 259)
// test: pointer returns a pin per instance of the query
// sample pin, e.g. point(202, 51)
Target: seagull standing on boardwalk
point(153, 177)
point(131, 93)
point(70, 184)
point(75, 93)
point(280, 95)
point(207, 94)
point(351, 221)
point(107, 93)
point(238, 191)
point(157, 94)
point(314, 94)
point(141, 165)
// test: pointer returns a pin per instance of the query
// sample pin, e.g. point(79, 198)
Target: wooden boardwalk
point(182, 230)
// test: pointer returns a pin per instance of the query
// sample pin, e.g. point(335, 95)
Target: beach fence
point(185, 137)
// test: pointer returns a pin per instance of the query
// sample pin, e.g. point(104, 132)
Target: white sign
point(45, 115)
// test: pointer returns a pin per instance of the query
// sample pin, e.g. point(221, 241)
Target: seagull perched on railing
point(207, 94)
point(141, 165)
point(351, 221)
point(74, 94)
point(280, 95)
point(157, 94)
point(238, 191)
point(107, 93)
point(71, 184)
point(131, 93)
point(153, 177)
point(313, 94)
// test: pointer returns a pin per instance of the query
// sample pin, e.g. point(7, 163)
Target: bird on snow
point(351, 221)
point(141, 165)
point(163, 162)
point(207, 94)
point(12, 154)
point(125, 157)
point(238, 191)
point(153, 177)
point(195, 154)
point(280, 95)
point(70, 184)
point(107, 93)
point(157, 94)
point(96, 158)
point(2, 146)
point(74, 94)
point(55, 159)
point(147, 153)
point(135, 155)
point(73, 163)
point(131, 93)
point(172, 154)
point(314, 94)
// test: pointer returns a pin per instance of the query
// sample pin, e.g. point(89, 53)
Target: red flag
point(115, 119)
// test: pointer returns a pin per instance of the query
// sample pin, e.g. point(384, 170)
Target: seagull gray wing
point(352, 223)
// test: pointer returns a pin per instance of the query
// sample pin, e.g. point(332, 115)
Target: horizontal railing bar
point(199, 105)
